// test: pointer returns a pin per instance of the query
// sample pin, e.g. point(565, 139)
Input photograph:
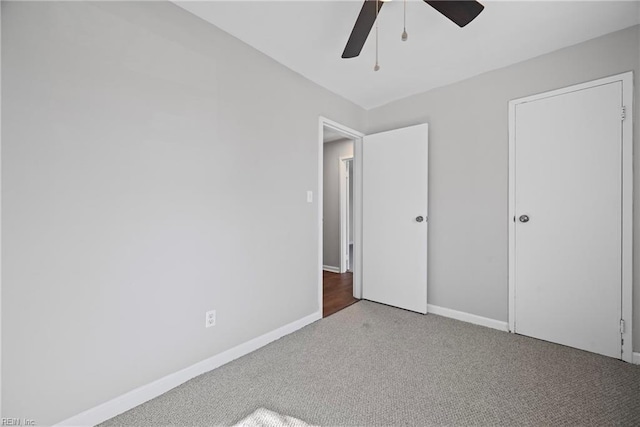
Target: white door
point(568, 209)
point(394, 218)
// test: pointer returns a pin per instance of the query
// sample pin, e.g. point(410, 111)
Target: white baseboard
point(470, 318)
point(484, 321)
point(147, 392)
point(331, 268)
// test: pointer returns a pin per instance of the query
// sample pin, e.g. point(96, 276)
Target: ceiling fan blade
point(361, 29)
point(460, 12)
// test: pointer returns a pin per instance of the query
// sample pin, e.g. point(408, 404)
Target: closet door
point(568, 218)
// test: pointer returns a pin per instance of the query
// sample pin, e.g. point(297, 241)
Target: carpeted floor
point(372, 364)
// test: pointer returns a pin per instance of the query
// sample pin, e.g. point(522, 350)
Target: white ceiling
point(309, 37)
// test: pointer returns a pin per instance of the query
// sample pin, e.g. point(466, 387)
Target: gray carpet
point(371, 364)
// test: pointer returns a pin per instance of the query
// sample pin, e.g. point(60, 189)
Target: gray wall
point(468, 167)
point(147, 164)
point(331, 201)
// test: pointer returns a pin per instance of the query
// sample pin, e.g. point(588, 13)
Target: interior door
point(568, 169)
point(394, 217)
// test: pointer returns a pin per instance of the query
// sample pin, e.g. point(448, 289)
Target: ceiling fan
point(461, 12)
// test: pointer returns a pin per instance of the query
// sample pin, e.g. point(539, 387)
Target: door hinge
point(621, 326)
point(623, 115)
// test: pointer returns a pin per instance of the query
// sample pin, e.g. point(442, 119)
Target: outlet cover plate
point(210, 318)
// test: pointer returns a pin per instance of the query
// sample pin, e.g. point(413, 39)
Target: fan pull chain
point(377, 66)
point(405, 36)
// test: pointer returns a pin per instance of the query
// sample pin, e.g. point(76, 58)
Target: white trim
point(627, 215)
point(511, 249)
point(357, 218)
point(357, 201)
point(636, 359)
point(627, 199)
point(147, 392)
point(331, 269)
point(344, 212)
point(0, 217)
point(467, 317)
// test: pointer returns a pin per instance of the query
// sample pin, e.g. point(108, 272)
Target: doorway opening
point(339, 225)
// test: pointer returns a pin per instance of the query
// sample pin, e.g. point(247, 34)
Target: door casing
point(344, 214)
point(627, 200)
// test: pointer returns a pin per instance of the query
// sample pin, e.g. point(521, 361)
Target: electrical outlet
point(210, 319)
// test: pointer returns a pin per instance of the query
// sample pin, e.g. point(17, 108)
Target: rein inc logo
point(17, 422)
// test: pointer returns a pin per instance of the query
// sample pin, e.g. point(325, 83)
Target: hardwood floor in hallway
point(337, 292)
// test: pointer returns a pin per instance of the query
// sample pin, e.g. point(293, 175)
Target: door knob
point(419, 219)
point(524, 218)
